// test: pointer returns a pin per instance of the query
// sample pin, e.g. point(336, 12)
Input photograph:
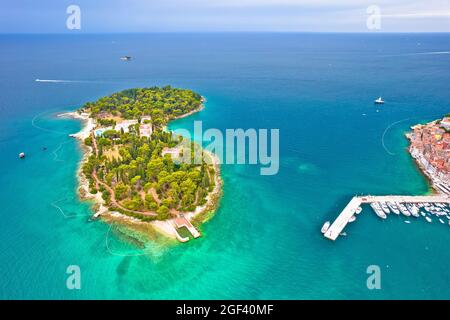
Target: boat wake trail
point(384, 134)
point(33, 123)
point(398, 122)
point(66, 81)
point(52, 81)
point(418, 54)
point(54, 204)
point(55, 152)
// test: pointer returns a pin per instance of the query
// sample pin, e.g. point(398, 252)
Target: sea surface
point(264, 242)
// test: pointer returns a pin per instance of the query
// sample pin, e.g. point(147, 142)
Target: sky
point(112, 16)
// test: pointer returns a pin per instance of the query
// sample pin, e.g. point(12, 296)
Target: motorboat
point(325, 227)
point(378, 211)
point(385, 207)
point(403, 210)
point(413, 209)
point(393, 207)
point(379, 101)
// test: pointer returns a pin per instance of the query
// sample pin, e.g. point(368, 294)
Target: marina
point(409, 206)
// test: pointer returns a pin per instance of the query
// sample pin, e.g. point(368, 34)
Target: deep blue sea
point(264, 242)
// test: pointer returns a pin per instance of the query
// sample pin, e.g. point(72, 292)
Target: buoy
point(21, 155)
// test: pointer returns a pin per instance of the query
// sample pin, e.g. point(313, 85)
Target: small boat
point(352, 218)
point(325, 227)
point(125, 58)
point(407, 221)
point(358, 210)
point(441, 221)
point(344, 234)
point(413, 209)
point(21, 155)
point(403, 210)
point(393, 207)
point(379, 101)
point(384, 207)
point(428, 219)
point(378, 211)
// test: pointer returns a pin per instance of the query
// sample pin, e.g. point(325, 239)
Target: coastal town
point(130, 167)
point(430, 147)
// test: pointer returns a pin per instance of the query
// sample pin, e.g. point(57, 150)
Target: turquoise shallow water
point(264, 241)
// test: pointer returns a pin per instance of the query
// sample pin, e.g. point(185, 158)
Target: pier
point(341, 221)
point(183, 222)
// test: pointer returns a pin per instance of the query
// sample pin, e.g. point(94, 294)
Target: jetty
point(181, 222)
point(341, 221)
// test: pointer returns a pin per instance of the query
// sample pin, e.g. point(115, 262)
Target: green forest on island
point(130, 170)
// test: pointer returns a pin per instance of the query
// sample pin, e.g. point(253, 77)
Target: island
point(130, 165)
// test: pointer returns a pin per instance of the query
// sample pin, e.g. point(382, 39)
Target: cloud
point(225, 15)
point(417, 15)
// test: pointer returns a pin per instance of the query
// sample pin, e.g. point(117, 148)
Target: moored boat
point(378, 211)
point(403, 210)
point(393, 207)
point(413, 209)
point(385, 207)
point(325, 227)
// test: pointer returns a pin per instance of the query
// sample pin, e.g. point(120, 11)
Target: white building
point(125, 125)
point(145, 130)
point(445, 123)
